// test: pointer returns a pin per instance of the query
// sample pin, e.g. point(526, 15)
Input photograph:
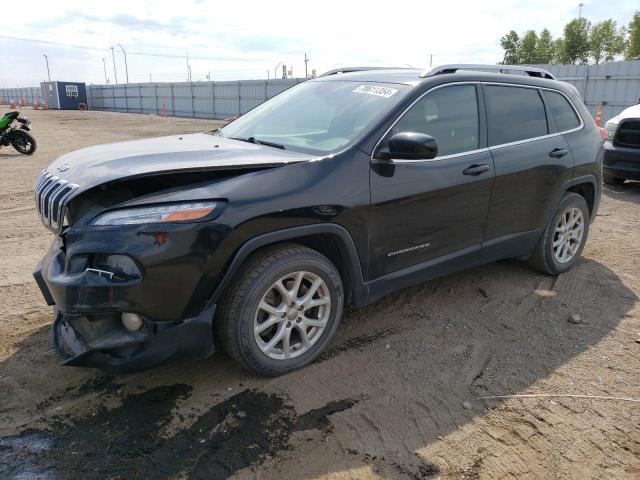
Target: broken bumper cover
point(115, 349)
point(88, 330)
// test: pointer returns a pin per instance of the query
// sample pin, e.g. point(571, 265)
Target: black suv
point(335, 192)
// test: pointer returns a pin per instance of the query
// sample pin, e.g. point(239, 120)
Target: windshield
point(315, 117)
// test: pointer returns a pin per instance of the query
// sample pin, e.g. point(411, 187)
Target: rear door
point(532, 160)
point(432, 210)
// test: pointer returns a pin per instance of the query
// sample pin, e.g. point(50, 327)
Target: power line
point(144, 54)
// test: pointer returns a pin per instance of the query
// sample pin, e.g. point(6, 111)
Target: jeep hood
point(100, 164)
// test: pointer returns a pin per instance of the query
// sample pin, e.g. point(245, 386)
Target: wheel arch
point(330, 239)
point(587, 186)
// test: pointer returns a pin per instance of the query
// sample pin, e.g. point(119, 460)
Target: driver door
point(430, 212)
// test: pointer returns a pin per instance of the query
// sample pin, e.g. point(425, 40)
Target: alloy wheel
point(568, 235)
point(292, 315)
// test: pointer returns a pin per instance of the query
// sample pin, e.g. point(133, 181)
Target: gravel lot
point(399, 394)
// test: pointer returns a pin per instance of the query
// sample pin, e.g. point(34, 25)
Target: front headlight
point(177, 212)
point(610, 130)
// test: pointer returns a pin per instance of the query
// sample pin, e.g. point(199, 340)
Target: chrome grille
point(51, 194)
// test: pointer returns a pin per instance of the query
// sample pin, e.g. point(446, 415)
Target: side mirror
point(411, 146)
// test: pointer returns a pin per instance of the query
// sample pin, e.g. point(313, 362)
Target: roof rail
point(336, 71)
point(453, 68)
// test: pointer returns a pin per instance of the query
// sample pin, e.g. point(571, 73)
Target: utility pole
point(104, 65)
point(186, 52)
point(580, 5)
point(190, 77)
point(115, 72)
point(284, 72)
point(306, 61)
point(126, 68)
point(267, 74)
point(150, 80)
point(46, 59)
point(430, 60)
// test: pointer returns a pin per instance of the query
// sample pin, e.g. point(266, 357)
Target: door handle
point(558, 152)
point(476, 169)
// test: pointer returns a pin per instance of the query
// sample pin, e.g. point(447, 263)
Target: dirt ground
point(400, 394)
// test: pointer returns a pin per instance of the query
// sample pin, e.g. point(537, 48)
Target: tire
point(242, 312)
point(23, 142)
point(611, 180)
point(545, 256)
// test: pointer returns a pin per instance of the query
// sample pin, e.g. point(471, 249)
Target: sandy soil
point(399, 394)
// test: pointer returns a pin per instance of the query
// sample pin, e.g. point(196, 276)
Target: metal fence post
point(140, 97)
point(213, 100)
point(155, 90)
point(193, 108)
point(173, 107)
point(239, 98)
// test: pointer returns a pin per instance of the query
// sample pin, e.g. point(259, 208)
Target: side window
point(449, 114)
point(513, 114)
point(563, 113)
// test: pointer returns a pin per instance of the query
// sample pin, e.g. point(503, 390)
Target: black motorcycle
point(18, 137)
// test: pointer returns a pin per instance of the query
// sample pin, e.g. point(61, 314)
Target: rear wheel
point(282, 310)
point(564, 238)
point(611, 180)
point(23, 142)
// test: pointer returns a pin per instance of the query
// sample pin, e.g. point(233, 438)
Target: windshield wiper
point(260, 142)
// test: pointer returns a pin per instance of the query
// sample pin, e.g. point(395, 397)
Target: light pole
point(275, 70)
point(126, 68)
point(46, 59)
point(115, 72)
point(580, 5)
point(104, 64)
point(306, 60)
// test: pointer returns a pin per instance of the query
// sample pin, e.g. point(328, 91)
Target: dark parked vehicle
point(622, 147)
point(336, 192)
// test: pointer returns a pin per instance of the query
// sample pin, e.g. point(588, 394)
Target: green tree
point(545, 50)
point(529, 48)
point(511, 46)
point(576, 45)
point(606, 41)
point(633, 44)
point(558, 50)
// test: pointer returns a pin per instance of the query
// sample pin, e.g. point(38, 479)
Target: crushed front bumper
point(103, 343)
point(88, 329)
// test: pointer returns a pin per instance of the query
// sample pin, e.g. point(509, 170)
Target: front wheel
point(282, 310)
point(564, 237)
point(23, 142)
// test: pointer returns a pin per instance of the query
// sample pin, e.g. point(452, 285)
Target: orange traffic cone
point(164, 109)
point(12, 106)
point(35, 105)
point(44, 106)
point(598, 116)
point(23, 102)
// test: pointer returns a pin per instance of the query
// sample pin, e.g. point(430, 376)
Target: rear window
point(563, 113)
point(514, 113)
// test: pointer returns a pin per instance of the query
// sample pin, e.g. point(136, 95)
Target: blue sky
point(247, 39)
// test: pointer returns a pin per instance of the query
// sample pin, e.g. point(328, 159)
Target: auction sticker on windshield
point(385, 92)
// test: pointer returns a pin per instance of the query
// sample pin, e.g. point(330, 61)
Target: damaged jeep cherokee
point(335, 192)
